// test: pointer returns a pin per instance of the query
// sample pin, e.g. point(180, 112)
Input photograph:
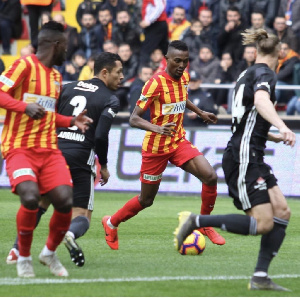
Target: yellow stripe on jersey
point(7, 133)
point(44, 134)
point(33, 79)
point(32, 136)
point(43, 83)
point(21, 130)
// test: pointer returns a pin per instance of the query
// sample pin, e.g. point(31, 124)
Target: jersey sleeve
point(150, 92)
point(265, 79)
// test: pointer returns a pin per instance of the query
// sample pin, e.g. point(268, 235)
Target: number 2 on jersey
point(79, 104)
point(238, 109)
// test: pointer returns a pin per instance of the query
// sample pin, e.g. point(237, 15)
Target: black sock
point(270, 244)
point(79, 225)
point(234, 223)
point(39, 214)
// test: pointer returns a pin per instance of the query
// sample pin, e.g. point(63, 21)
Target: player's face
point(115, 76)
point(177, 61)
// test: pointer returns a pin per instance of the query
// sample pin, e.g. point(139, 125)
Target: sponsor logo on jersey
point(23, 172)
point(48, 103)
point(152, 177)
point(173, 108)
point(261, 184)
point(6, 81)
point(110, 111)
point(143, 98)
point(266, 84)
point(68, 135)
point(86, 87)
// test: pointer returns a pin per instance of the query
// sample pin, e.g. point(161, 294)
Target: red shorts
point(153, 165)
point(46, 167)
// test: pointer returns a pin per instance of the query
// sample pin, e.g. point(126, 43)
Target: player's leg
point(56, 184)
point(192, 161)
point(12, 257)
point(151, 174)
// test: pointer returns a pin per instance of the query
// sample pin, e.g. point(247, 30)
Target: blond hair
point(266, 44)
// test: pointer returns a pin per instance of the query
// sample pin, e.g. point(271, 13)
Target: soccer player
point(96, 95)
point(29, 90)
point(165, 94)
point(250, 180)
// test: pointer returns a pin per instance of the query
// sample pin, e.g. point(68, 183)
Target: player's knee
point(30, 199)
point(146, 201)
point(211, 179)
point(64, 202)
point(282, 210)
point(265, 225)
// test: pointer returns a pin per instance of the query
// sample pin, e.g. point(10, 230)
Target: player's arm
point(206, 116)
point(137, 121)
point(267, 110)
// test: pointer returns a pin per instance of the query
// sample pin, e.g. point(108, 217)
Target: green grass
point(146, 251)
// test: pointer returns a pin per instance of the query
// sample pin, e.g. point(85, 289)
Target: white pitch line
point(35, 281)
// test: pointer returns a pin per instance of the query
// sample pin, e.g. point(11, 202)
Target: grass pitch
point(146, 263)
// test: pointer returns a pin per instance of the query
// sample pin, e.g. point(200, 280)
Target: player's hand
point(167, 130)
point(104, 175)
point(35, 111)
point(82, 121)
point(288, 137)
point(208, 117)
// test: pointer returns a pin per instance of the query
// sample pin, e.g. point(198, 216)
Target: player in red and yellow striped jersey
point(165, 94)
point(29, 90)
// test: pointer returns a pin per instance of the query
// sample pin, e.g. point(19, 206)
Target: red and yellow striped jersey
point(28, 80)
point(166, 98)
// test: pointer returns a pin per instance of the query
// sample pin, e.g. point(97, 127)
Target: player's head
point(52, 41)
point(108, 67)
point(266, 44)
point(177, 58)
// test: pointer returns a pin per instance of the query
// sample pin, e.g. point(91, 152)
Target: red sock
point(130, 209)
point(58, 226)
point(26, 220)
point(209, 195)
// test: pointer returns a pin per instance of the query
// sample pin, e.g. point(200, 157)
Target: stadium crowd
point(140, 30)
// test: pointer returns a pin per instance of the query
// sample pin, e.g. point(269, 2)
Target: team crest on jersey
point(143, 98)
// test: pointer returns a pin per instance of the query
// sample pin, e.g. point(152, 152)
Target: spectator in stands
point(87, 71)
point(210, 32)
point(110, 46)
point(155, 59)
point(155, 27)
point(269, 7)
point(202, 99)
point(212, 5)
point(291, 10)
point(144, 74)
point(91, 38)
point(248, 60)
point(230, 38)
point(35, 10)
point(285, 33)
point(45, 17)
point(177, 23)
point(114, 6)
point(206, 65)
point(226, 75)
point(192, 38)
point(88, 5)
point(10, 23)
point(171, 4)
point(124, 31)
point(285, 71)
point(106, 21)
point(130, 67)
point(27, 50)
point(258, 21)
point(242, 7)
point(70, 70)
point(134, 8)
point(71, 34)
point(294, 103)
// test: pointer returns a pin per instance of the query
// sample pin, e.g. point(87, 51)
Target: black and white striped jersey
point(250, 130)
point(102, 106)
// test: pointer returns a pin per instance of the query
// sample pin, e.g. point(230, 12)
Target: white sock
point(21, 258)
point(260, 274)
point(47, 252)
point(69, 233)
point(110, 224)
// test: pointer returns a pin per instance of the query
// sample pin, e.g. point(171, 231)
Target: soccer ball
point(194, 244)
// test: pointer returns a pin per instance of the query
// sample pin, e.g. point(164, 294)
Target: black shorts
point(82, 167)
point(248, 183)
